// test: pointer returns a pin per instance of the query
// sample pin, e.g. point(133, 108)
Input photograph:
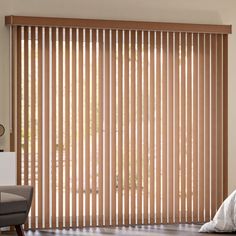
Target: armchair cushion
point(12, 203)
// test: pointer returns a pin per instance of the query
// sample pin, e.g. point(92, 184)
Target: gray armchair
point(15, 203)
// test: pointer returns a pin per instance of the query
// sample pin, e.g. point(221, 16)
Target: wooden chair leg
point(19, 230)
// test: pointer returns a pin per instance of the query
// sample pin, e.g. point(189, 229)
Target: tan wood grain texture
point(152, 129)
point(74, 128)
point(116, 24)
point(175, 83)
point(13, 46)
point(26, 104)
point(46, 129)
point(158, 127)
point(189, 128)
point(195, 127)
point(145, 128)
point(133, 129)
point(201, 127)
point(139, 130)
point(94, 133)
point(53, 124)
point(120, 130)
point(107, 127)
point(101, 117)
point(60, 129)
point(19, 104)
point(164, 127)
point(225, 117)
point(40, 129)
point(182, 127)
point(87, 127)
point(176, 127)
point(213, 127)
point(219, 114)
point(67, 128)
point(113, 125)
point(207, 127)
point(126, 127)
point(170, 128)
point(32, 128)
point(81, 130)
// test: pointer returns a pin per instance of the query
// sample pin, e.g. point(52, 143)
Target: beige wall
point(190, 11)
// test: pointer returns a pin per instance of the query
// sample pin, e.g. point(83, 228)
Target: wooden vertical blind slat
point(81, 130)
point(164, 127)
point(219, 122)
point(13, 89)
point(60, 127)
point(67, 128)
point(207, 127)
point(201, 127)
point(189, 128)
point(170, 127)
point(87, 127)
point(26, 112)
point(145, 127)
point(53, 124)
point(213, 127)
point(126, 127)
point(195, 128)
point(26, 102)
point(74, 128)
point(225, 117)
point(113, 147)
point(151, 115)
point(182, 126)
point(19, 104)
point(46, 129)
point(101, 79)
point(176, 126)
point(33, 131)
point(158, 127)
point(40, 130)
point(133, 130)
point(120, 127)
point(107, 127)
point(139, 130)
point(94, 121)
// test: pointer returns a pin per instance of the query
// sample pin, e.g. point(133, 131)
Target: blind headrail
point(116, 24)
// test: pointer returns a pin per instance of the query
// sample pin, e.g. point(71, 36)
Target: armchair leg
point(19, 230)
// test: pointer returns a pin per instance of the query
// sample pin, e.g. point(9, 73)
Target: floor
point(162, 230)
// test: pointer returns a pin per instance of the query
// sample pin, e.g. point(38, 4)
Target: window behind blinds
point(120, 127)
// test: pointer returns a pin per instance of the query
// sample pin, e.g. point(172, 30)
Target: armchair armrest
point(24, 191)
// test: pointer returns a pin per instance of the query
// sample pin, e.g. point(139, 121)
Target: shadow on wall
point(140, 10)
point(186, 16)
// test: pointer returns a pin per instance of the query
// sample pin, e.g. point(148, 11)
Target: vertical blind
point(120, 127)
